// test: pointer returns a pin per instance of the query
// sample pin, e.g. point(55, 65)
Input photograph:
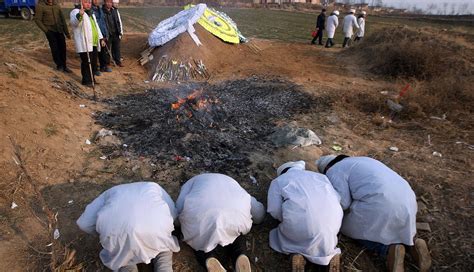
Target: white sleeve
point(185, 189)
point(73, 17)
point(169, 201)
point(98, 28)
point(340, 183)
point(275, 201)
point(355, 23)
point(257, 210)
point(88, 219)
point(336, 22)
point(120, 20)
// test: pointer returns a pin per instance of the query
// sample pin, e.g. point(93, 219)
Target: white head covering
point(336, 12)
point(323, 162)
point(352, 11)
point(298, 164)
point(363, 12)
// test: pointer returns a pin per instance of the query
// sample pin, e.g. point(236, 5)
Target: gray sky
point(429, 6)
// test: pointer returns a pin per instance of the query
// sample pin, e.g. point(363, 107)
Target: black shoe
point(320, 44)
point(59, 68)
point(67, 70)
point(88, 84)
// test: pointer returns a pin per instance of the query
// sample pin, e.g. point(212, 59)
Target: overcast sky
point(429, 6)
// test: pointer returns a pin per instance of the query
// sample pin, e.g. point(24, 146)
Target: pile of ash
point(208, 127)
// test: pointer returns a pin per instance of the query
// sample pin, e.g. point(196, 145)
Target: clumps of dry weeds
point(404, 52)
point(441, 68)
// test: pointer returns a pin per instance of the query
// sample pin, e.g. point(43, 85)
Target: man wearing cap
point(331, 26)
point(361, 31)
point(320, 22)
point(134, 222)
point(308, 208)
point(350, 21)
point(380, 208)
point(216, 212)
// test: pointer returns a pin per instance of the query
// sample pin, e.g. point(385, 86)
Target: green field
point(260, 23)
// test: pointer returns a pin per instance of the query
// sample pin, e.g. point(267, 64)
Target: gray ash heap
point(214, 127)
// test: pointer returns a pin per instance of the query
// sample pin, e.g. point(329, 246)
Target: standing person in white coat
point(134, 222)
point(350, 21)
point(331, 25)
point(87, 38)
point(361, 31)
point(381, 208)
point(308, 208)
point(215, 211)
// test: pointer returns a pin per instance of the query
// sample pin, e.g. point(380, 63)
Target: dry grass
point(439, 67)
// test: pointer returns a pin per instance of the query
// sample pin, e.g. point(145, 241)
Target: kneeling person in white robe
point(134, 222)
point(381, 208)
point(215, 211)
point(308, 208)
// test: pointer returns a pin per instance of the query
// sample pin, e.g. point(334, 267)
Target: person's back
point(310, 214)
point(213, 210)
point(383, 207)
point(332, 23)
point(350, 21)
point(134, 222)
point(361, 31)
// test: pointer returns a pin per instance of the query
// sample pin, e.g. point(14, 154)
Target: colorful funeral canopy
point(218, 24)
point(181, 22)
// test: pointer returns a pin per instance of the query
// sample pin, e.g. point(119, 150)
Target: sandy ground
point(54, 171)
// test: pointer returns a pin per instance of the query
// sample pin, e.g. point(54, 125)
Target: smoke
point(434, 7)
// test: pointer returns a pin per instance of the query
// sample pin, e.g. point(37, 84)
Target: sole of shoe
point(424, 257)
point(243, 264)
point(213, 265)
point(398, 257)
point(335, 264)
point(297, 263)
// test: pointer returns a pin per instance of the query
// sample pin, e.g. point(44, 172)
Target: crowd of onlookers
point(97, 32)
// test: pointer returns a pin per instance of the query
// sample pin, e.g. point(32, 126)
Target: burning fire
point(194, 100)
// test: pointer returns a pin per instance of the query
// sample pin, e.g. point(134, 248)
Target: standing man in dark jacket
point(114, 29)
point(103, 54)
point(50, 19)
point(320, 23)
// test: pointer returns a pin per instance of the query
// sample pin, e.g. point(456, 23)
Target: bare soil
point(44, 131)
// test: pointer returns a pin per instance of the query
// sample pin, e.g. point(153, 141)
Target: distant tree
point(453, 8)
point(463, 8)
point(432, 7)
point(445, 8)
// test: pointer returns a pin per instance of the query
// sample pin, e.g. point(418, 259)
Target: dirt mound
point(403, 52)
point(439, 71)
point(214, 53)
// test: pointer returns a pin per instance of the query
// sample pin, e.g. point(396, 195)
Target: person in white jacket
point(88, 40)
point(331, 25)
point(308, 208)
point(350, 21)
point(134, 222)
point(215, 211)
point(361, 31)
point(381, 208)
